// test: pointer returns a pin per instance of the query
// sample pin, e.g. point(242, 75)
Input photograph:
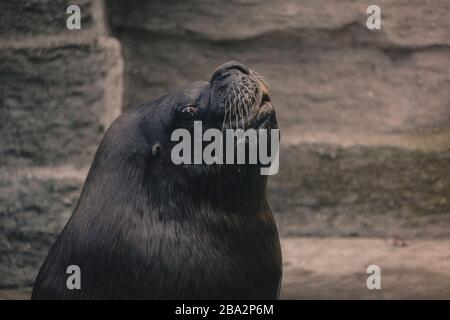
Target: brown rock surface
point(336, 269)
point(331, 78)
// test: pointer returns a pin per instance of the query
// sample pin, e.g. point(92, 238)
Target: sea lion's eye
point(188, 111)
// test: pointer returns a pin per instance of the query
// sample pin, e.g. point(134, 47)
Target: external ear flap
point(156, 150)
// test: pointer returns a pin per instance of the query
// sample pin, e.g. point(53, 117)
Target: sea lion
point(145, 228)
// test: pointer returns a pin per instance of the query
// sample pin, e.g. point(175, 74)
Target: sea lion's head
point(235, 97)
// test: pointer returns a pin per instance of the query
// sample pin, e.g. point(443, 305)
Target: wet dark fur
point(145, 228)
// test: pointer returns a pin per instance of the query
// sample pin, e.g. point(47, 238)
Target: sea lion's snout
point(242, 97)
point(229, 66)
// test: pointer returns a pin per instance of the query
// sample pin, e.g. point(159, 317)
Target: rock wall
point(59, 91)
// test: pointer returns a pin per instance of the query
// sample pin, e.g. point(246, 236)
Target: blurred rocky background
point(365, 119)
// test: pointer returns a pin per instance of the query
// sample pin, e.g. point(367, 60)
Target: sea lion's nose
point(230, 65)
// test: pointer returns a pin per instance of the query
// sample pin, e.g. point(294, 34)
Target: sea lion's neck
point(230, 190)
point(172, 190)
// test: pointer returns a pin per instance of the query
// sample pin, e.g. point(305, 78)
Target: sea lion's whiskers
point(240, 106)
point(247, 110)
point(230, 113)
point(236, 107)
point(228, 107)
point(223, 101)
point(240, 115)
point(224, 116)
point(253, 100)
point(236, 116)
point(246, 105)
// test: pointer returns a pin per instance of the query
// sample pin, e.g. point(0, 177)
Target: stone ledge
point(245, 20)
point(361, 190)
point(432, 140)
point(31, 18)
point(63, 114)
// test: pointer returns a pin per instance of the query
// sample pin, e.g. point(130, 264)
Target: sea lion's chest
point(222, 259)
